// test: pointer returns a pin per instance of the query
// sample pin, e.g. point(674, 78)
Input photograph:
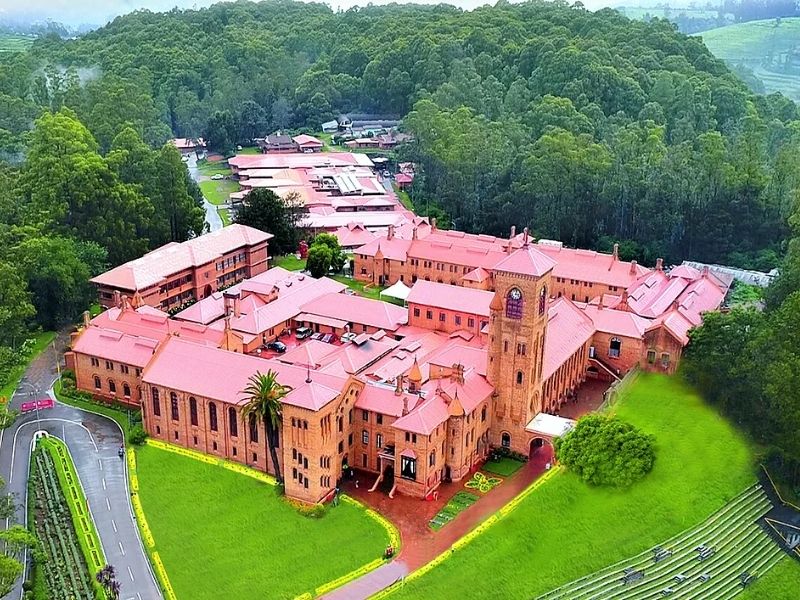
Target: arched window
point(505, 440)
point(514, 304)
point(97, 383)
point(614, 347)
point(542, 299)
point(253, 429)
point(233, 423)
point(126, 390)
point(156, 402)
point(212, 416)
point(519, 377)
point(193, 410)
point(173, 403)
point(112, 387)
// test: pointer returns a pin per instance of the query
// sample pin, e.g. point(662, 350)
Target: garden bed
point(461, 501)
point(61, 520)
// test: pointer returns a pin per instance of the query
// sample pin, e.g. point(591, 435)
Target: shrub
point(312, 511)
point(607, 451)
point(137, 436)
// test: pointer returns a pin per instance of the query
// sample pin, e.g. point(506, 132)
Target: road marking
point(108, 504)
point(121, 549)
point(104, 483)
point(138, 595)
point(114, 525)
point(100, 462)
point(38, 423)
point(131, 574)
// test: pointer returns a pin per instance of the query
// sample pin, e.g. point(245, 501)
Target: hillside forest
point(586, 127)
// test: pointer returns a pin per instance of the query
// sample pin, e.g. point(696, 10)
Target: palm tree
point(263, 400)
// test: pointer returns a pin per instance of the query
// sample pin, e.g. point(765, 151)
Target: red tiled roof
point(294, 161)
point(588, 265)
point(450, 297)
point(356, 309)
point(156, 266)
point(116, 346)
point(307, 140)
point(222, 375)
point(615, 322)
point(526, 261)
point(568, 328)
point(151, 323)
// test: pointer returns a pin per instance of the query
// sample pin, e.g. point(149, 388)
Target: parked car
point(317, 336)
point(277, 346)
point(217, 176)
point(302, 333)
point(348, 337)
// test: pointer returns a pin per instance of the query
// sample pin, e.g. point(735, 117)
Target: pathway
point(213, 219)
point(93, 442)
point(411, 515)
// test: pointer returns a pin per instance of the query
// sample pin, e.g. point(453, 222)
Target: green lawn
point(290, 262)
point(42, 340)
point(782, 582)
point(567, 529)
point(372, 292)
point(225, 215)
point(249, 150)
point(225, 535)
point(217, 192)
point(209, 168)
point(504, 466)
point(754, 40)
point(405, 198)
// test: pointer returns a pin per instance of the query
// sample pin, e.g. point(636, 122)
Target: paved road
point(212, 216)
point(93, 441)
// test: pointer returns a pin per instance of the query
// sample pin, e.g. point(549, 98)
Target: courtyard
point(221, 534)
point(566, 529)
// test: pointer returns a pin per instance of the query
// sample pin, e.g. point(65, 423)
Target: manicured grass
point(372, 292)
point(249, 150)
point(42, 341)
point(290, 262)
point(213, 167)
point(461, 501)
point(782, 582)
point(218, 192)
point(225, 215)
point(566, 529)
point(225, 535)
point(504, 466)
point(754, 40)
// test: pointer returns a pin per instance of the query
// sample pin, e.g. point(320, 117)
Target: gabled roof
point(478, 275)
point(357, 309)
point(307, 140)
point(615, 322)
point(526, 261)
point(450, 297)
point(568, 328)
point(116, 346)
point(426, 417)
point(311, 396)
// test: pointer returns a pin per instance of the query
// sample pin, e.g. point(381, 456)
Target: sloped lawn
point(224, 535)
point(566, 529)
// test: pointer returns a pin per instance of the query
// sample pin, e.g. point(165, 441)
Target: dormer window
point(514, 304)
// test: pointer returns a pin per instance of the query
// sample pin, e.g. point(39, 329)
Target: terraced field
point(740, 546)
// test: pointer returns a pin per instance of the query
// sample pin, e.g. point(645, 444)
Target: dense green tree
point(319, 260)
point(16, 309)
point(606, 451)
point(268, 212)
point(338, 257)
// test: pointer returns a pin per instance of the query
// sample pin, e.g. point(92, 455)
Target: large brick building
point(416, 397)
point(175, 274)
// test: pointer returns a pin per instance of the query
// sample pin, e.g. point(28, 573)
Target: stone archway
point(541, 452)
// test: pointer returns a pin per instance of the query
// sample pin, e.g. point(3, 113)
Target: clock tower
point(516, 342)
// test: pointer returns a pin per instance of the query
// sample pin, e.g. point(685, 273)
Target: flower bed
point(503, 465)
point(65, 566)
point(461, 501)
point(482, 483)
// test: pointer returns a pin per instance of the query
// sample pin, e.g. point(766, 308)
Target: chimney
point(126, 306)
point(600, 304)
point(398, 387)
point(117, 299)
point(390, 232)
point(232, 303)
point(525, 237)
point(308, 373)
point(414, 233)
point(405, 405)
point(513, 232)
point(433, 223)
point(623, 301)
point(615, 254)
point(706, 272)
point(86, 318)
point(633, 267)
point(659, 264)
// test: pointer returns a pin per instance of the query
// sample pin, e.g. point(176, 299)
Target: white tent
point(399, 290)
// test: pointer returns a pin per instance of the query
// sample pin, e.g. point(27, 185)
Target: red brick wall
point(86, 371)
point(447, 325)
point(630, 351)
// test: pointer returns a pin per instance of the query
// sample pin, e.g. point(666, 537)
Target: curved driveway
point(93, 441)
